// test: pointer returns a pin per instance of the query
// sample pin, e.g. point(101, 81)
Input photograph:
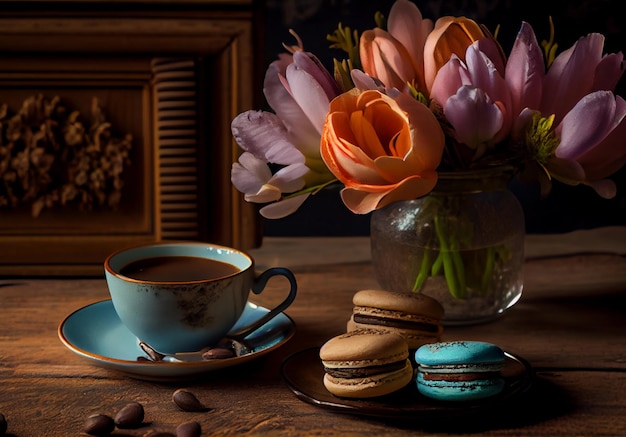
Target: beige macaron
point(414, 316)
point(365, 364)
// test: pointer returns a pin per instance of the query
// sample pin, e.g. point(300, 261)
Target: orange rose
point(382, 149)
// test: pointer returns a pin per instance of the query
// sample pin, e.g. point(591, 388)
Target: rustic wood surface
point(570, 325)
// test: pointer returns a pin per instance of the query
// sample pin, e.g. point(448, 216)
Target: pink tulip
point(525, 71)
point(475, 100)
point(253, 177)
point(299, 94)
point(577, 91)
point(299, 90)
point(592, 137)
point(384, 145)
point(476, 119)
point(266, 140)
point(578, 71)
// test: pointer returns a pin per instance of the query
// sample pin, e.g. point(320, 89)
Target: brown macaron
point(365, 364)
point(414, 316)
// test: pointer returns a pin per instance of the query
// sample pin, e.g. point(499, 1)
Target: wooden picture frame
point(172, 78)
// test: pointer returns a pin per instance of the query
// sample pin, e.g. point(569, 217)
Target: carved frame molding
point(187, 149)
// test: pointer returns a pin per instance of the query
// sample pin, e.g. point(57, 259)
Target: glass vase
point(462, 244)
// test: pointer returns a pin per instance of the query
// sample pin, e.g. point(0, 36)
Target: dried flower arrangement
point(49, 156)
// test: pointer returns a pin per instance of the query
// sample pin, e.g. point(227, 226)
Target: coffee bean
point(187, 401)
point(130, 416)
point(3, 424)
point(189, 429)
point(218, 353)
point(99, 425)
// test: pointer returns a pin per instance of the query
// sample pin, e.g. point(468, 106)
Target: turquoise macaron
point(459, 370)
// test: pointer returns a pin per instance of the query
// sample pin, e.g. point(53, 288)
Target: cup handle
point(257, 288)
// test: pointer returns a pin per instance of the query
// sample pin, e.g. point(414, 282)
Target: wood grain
point(569, 325)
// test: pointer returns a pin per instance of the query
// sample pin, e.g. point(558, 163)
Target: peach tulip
point(451, 35)
point(396, 56)
point(382, 149)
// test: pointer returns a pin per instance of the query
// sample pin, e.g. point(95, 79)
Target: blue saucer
point(96, 333)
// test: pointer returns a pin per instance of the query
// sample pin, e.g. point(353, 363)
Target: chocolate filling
point(460, 376)
point(362, 372)
point(395, 323)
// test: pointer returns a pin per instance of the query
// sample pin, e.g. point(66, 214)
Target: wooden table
point(570, 325)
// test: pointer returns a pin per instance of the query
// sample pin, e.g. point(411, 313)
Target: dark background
point(567, 208)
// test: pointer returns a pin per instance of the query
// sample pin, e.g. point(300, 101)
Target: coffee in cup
point(177, 269)
point(184, 296)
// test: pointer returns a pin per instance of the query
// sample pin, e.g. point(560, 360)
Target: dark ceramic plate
point(303, 372)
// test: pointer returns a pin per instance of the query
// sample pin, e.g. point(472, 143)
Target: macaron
point(414, 316)
point(459, 370)
point(362, 364)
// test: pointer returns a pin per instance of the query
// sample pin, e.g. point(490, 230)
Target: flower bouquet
point(412, 100)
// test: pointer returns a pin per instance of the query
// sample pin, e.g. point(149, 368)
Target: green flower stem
point(450, 274)
point(449, 265)
point(436, 267)
point(459, 270)
point(313, 189)
point(462, 272)
point(423, 273)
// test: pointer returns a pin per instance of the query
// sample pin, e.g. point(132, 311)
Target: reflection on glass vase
point(462, 244)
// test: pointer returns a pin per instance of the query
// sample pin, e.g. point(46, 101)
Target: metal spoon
point(237, 346)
